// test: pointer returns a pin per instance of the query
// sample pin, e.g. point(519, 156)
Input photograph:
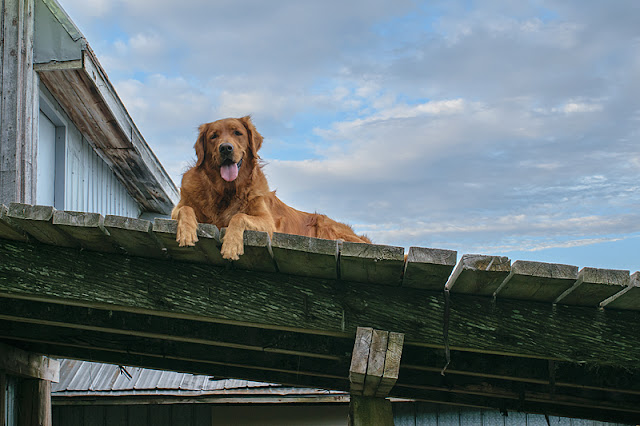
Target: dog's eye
point(238, 133)
point(214, 136)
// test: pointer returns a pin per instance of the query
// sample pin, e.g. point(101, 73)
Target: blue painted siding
point(89, 184)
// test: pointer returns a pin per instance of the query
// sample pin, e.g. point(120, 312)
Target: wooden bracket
point(375, 362)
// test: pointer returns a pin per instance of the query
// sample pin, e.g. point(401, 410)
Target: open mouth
point(229, 170)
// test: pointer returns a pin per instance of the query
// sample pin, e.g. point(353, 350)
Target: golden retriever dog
point(227, 188)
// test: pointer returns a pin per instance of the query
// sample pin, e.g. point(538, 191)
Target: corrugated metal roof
point(84, 378)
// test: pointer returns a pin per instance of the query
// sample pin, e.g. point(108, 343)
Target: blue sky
point(494, 127)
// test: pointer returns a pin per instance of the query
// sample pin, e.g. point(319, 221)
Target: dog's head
point(227, 145)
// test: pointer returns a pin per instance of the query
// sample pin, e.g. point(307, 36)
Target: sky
point(495, 127)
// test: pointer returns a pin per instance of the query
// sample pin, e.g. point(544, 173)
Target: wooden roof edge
point(160, 194)
point(423, 268)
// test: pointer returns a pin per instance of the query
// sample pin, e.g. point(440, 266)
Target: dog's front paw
point(186, 235)
point(232, 246)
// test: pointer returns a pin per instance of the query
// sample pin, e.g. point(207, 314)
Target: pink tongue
point(229, 172)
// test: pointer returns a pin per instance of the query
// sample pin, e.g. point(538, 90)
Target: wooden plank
point(371, 263)
point(311, 257)
point(18, 104)
point(274, 301)
point(391, 364)
point(9, 229)
point(375, 364)
point(20, 363)
point(135, 236)
point(428, 268)
point(34, 398)
point(205, 249)
point(359, 359)
point(594, 286)
point(257, 252)
point(537, 281)
point(87, 229)
point(37, 222)
point(479, 274)
point(628, 298)
point(370, 411)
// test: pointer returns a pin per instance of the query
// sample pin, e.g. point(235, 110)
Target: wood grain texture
point(537, 281)
point(9, 229)
point(25, 364)
point(479, 274)
point(628, 298)
point(370, 263)
point(257, 252)
point(87, 229)
point(37, 221)
point(299, 255)
point(428, 268)
point(360, 359)
point(276, 301)
point(206, 249)
point(596, 285)
point(375, 363)
point(135, 236)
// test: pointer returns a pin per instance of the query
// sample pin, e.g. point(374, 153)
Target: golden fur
point(245, 202)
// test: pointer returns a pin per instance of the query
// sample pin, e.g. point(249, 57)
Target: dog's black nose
point(226, 148)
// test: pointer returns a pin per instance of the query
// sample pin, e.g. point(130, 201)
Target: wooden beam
point(371, 263)
point(20, 363)
point(537, 281)
point(34, 403)
point(284, 302)
point(370, 411)
point(180, 331)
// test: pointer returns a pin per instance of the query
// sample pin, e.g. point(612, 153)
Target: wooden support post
point(370, 411)
point(18, 103)
point(34, 397)
point(33, 374)
point(375, 364)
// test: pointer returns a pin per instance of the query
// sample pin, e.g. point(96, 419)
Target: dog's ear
point(255, 138)
point(201, 144)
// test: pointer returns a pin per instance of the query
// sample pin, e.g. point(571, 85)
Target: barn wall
point(423, 414)
point(89, 184)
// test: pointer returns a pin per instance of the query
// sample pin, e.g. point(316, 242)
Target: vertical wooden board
point(492, 418)
point(536, 420)
point(360, 358)
point(87, 229)
point(391, 364)
point(37, 222)
point(404, 413)
point(182, 414)
point(306, 256)
point(139, 415)
point(375, 364)
point(515, 418)
point(257, 252)
point(596, 285)
point(71, 415)
point(428, 268)
point(470, 417)
point(160, 415)
point(537, 281)
point(202, 415)
point(448, 415)
point(94, 415)
point(165, 230)
point(426, 414)
point(135, 236)
point(479, 274)
point(116, 415)
point(8, 229)
point(370, 263)
point(630, 299)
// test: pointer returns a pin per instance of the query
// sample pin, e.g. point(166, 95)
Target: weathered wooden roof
point(527, 336)
point(71, 71)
